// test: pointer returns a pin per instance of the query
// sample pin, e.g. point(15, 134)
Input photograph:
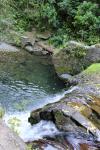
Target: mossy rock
point(35, 117)
point(74, 58)
point(77, 51)
point(90, 76)
point(94, 68)
point(63, 69)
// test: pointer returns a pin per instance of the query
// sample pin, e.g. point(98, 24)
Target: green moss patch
point(63, 69)
point(94, 68)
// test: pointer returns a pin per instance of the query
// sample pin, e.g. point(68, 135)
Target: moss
point(94, 68)
point(63, 69)
point(78, 52)
point(59, 118)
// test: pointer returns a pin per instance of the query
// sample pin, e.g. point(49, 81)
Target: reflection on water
point(26, 81)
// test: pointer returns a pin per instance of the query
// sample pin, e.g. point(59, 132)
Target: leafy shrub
point(69, 19)
point(86, 15)
point(87, 21)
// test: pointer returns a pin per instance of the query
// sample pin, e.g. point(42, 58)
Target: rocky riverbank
point(8, 139)
point(77, 113)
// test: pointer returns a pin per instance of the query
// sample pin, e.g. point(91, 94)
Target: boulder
point(68, 79)
point(27, 41)
point(79, 110)
point(38, 49)
point(35, 44)
point(75, 57)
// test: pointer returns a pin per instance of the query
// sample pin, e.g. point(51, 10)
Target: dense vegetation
point(68, 19)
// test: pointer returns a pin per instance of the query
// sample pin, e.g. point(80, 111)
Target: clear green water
point(27, 81)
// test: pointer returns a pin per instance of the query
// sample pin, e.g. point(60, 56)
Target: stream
point(28, 82)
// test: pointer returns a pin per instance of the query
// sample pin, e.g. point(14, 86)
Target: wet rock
point(65, 141)
point(48, 145)
point(9, 140)
point(78, 111)
point(4, 47)
point(35, 117)
point(68, 79)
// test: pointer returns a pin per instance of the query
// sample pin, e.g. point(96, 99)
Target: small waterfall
point(30, 133)
point(38, 131)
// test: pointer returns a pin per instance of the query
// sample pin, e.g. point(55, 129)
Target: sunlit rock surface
point(9, 140)
point(4, 47)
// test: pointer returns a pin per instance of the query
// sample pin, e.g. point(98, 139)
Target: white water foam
point(35, 132)
point(38, 131)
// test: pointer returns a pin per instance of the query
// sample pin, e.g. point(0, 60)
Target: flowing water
point(27, 82)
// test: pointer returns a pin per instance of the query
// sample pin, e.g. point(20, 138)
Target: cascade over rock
point(78, 111)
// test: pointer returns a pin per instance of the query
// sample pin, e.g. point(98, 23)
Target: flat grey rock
point(9, 140)
point(4, 47)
